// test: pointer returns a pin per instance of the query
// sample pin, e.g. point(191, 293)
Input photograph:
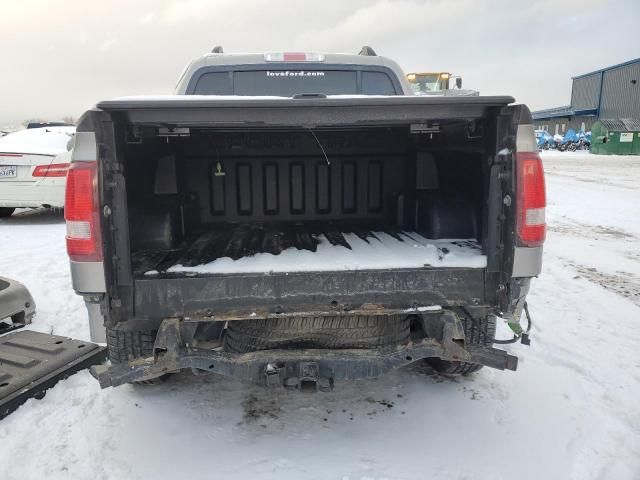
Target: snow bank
point(38, 141)
point(386, 252)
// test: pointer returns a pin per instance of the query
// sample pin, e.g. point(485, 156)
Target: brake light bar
point(51, 170)
point(532, 200)
point(81, 213)
point(293, 57)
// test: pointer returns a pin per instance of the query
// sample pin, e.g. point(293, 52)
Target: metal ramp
point(32, 362)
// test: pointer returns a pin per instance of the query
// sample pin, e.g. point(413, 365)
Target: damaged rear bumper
point(298, 369)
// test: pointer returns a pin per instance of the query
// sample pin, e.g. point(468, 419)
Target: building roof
point(617, 65)
point(621, 124)
point(565, 111)
point(569, 110)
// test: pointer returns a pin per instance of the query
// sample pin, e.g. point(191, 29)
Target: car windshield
point(290, 82)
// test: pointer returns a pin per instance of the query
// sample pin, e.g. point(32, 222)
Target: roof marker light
point(293, 57)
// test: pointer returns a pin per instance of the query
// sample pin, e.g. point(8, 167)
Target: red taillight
point(532, 199)
point(52, 170)
point(81, 212)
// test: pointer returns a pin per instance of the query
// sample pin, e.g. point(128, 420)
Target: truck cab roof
point(295, 61)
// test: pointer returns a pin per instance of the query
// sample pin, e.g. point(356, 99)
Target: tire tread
point(331, 332)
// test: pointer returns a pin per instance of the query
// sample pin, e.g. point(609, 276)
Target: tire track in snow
point(581, 229)
point(624, 284)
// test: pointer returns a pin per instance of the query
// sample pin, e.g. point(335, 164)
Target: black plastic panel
point(297, 188)
point(349, 187)
point(244, 189)
point(217, 194)
point(291, 188)
point(270, 188)
point(31, 362)
point(375, 188)
point(323, 188)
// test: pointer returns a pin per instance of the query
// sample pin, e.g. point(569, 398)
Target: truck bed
point(228, 208)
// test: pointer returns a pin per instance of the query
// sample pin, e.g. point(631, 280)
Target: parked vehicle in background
point(6, 131)
point(49, 124)
point(429, 82)
point(33, 168)
point(302, 239)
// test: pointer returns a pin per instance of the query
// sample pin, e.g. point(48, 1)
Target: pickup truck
point(299, 220)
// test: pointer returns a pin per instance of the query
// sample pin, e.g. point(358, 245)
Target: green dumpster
point(618, 136)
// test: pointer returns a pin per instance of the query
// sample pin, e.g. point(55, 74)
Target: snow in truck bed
point(382, 252)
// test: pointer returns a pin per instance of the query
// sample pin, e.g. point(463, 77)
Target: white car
point(33, 168)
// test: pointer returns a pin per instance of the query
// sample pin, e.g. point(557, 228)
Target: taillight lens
point(81, 213)
point(52, 170)
point(532, 199)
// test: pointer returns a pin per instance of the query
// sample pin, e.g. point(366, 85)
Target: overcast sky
point(59, 57)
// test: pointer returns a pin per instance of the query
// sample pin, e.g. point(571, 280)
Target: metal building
point(609, 93)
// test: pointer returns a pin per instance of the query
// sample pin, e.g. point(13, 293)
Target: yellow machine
point(432, 81)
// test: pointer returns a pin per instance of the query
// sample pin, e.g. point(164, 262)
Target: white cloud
point(108, 44)
point(382, 20)
point(200, 10)
point(525, 49)
point(147, 18)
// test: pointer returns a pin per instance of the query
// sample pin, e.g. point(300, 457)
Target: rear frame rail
point(298, 369)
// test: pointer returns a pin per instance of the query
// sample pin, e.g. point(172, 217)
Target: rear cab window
point(289, 80)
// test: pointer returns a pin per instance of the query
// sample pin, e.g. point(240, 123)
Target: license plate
point(8, 171)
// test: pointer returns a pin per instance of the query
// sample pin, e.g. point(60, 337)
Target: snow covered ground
point(571, 411)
